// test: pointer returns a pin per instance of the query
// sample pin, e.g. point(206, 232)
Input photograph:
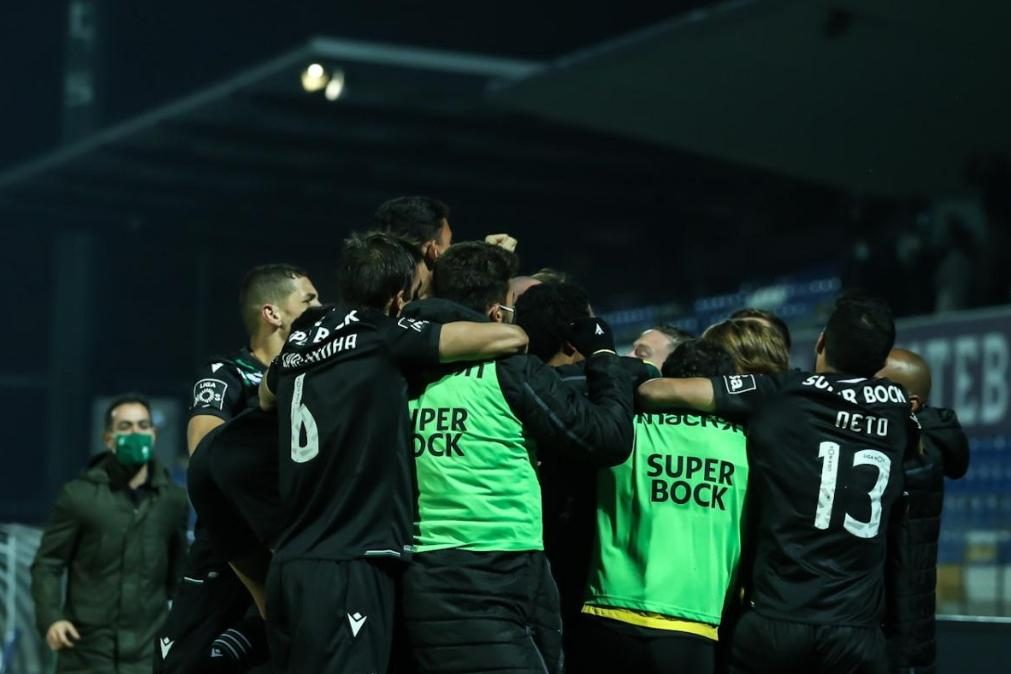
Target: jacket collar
point(98, 471)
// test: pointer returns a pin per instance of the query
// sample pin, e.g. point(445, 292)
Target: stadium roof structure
point(881, 98)
point(259, 151)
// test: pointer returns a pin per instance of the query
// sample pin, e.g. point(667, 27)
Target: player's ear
point(495, 314)
point(819, 346)
point(917, 403)
point(430, 252)
point(272, 315)
point(107, 439)
point(398, 303)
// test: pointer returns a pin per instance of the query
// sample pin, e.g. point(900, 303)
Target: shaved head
point(910, 370)
point(521, 284)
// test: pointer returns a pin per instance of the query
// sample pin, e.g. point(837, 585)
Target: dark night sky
point(136, 321)
point(155, 52)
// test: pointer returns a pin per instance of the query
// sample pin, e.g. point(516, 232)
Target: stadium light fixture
point(335, 87)
point(314, 78)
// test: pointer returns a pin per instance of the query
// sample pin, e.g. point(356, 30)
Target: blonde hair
point(755, 347)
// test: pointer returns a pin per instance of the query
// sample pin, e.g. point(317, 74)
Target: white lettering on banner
point(976, 382)
point(966, 355)
point(994, 396)
point(938, 354)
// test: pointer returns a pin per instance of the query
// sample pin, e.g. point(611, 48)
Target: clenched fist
point(502, 241)
point(59, 635)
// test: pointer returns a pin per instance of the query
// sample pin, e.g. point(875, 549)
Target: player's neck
point(562, 358)
point(266, 347)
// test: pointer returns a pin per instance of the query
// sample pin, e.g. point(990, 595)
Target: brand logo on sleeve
point(740, 383)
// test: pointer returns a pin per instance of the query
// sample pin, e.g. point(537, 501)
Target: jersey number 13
point(829, 453)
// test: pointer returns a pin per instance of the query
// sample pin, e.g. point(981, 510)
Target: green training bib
point(477, 485)
point(669, 519)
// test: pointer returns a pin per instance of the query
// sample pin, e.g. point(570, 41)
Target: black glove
point(589, 335)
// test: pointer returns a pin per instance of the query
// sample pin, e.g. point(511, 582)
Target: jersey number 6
point(302, 419)
point(828, 452)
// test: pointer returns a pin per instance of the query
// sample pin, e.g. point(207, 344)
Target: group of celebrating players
point(451, 470)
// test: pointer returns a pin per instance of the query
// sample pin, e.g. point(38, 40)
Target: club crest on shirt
point(740, 383)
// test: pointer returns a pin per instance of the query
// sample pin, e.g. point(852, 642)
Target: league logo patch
point(209, 394)
point(740, 383)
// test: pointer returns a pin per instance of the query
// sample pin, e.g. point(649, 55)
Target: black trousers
point(468, 612)
point(762, 645)
point(330, 617)
point(210, 600)
point(612, 646)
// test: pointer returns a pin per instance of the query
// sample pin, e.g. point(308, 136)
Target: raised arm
point(660, 394)
point(464, 340)
point(266, 396)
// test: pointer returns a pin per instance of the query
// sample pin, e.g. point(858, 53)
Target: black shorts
point(210, 600)
point(763, 645)
point(482, 611)
point(612, 646)
point(233, 484)
point(330, 617)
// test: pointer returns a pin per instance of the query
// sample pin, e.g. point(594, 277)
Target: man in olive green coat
point(119, 532)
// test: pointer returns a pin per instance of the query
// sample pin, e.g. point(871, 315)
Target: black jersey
point(826, 454)
point(227, 386)
point(345, 461)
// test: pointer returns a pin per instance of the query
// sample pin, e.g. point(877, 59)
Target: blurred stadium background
point(680, 159)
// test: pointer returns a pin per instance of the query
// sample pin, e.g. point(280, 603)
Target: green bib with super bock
point(669, 523)
point(477, 483)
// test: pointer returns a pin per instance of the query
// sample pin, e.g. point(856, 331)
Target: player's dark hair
point(762, 314)
point(474, 274)
point(697, 357)
point(859, 334)
point(545, 311)
point(374, 267)
point(417, 219)
point(266, 284)
point(125, 399)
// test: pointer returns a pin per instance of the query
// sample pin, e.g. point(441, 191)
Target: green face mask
point(134, 449)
